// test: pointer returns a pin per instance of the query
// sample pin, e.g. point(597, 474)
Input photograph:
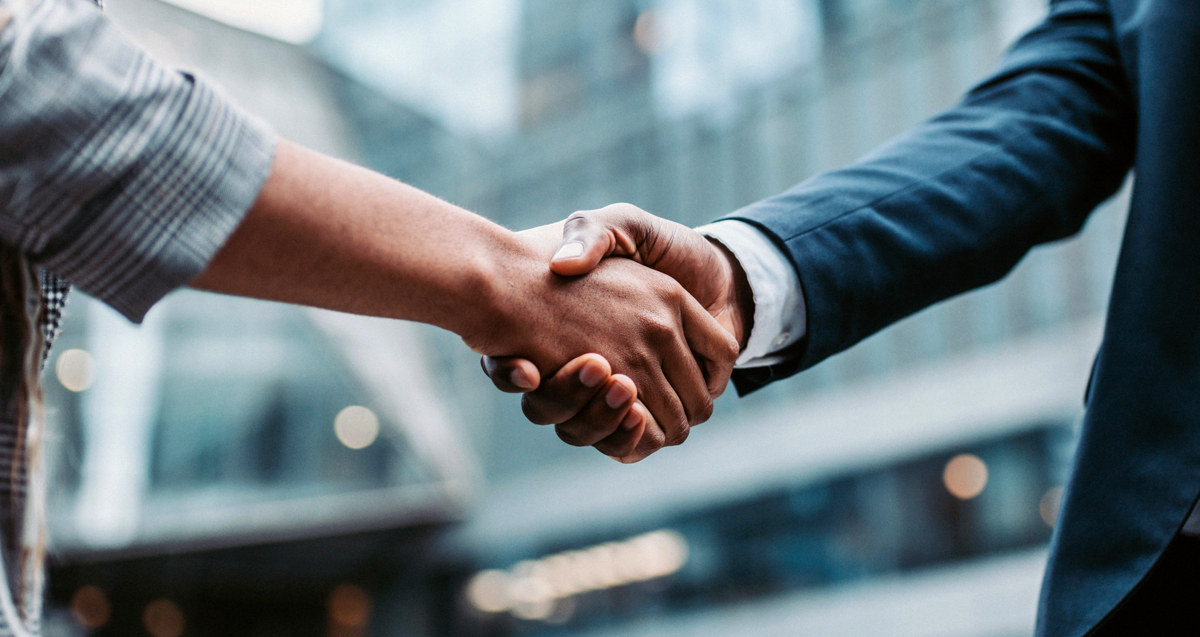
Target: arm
point(329, 234)
point(952, 205)
point(955, 203)
point(131, 179)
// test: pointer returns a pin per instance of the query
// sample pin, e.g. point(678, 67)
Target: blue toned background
point(243, 468)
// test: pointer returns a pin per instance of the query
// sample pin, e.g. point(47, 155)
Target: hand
point(705, 269)
point(378, 247)
point(651, 330)
point(612, 420)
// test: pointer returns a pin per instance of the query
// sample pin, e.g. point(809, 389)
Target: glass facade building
point(909, 483)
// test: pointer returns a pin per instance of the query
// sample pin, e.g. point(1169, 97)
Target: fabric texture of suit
point(1100, 88)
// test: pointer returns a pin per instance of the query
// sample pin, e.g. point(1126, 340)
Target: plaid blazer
point(118, 174)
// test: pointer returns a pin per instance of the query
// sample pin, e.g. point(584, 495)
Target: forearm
point(329, 234)
point(956, 203)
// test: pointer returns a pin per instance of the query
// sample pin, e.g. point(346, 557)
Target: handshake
point(620, 328)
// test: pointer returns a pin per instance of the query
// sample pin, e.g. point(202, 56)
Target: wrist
point(503, 279)
point(739, 308)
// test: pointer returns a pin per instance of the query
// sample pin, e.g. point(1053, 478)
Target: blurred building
point(209, 463)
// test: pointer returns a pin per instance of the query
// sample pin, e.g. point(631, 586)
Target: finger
point(659, 397)
point(511, 374)
point(715, 347)
point(653, 403)
point(650, 440)
point(623, 442)
point(563, 395)
point(683, 372)
point(602, 416)
point(592, 235)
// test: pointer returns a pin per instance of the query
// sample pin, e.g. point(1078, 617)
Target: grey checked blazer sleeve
point(117, 173)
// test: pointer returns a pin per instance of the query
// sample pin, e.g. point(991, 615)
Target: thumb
point(511, 374)
point(590, 236)
point(584, 244)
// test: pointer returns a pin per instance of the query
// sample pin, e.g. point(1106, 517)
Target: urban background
point(245, 468)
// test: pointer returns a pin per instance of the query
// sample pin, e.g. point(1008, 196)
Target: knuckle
point(658, 328)
point(625, 209)
point(619, 449)
point(578, 219)
point(652, 440)
point(705, 412)
point(678, 435)
point(731, 351)
point(567, 435)
point(635, 457)
point(535, 411)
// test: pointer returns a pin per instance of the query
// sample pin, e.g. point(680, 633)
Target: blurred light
point(350, 606)
point(75, 370)
point(536, 610)
point(356, 427)
point(488, 591)
point(598, 568)
point(563, 610)
point(650, 32)
point(90, 607)
point(163, 618)
point(1048, 507)
point(965, 476)
point(664, 552)
point(296, 21)
point(539, 589)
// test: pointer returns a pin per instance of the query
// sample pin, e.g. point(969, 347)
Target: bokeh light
point(1048, 507)
point(649, 32)
point(163, 618)
point(90, 607)
point(965, 476)
point(75, 370)
point(349, 606)
point(541, 589)
point(488, 591)
point(356, 427)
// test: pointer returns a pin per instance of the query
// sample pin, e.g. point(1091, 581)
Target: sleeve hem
point(779, 311)
point(170, 215)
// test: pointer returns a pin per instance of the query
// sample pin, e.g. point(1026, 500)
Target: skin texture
point(329, 234)
point(704, 268)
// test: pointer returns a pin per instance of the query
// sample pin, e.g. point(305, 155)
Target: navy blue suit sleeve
point(955, 203)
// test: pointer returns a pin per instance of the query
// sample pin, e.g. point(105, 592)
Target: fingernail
point(592, 375)
point(519, 379)
point(617, 396)
point(631, 420)
point(569, 251)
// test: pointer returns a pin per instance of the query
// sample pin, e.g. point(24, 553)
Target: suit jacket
point(1102, 86)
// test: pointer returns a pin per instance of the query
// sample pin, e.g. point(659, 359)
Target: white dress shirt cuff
point(779, 311)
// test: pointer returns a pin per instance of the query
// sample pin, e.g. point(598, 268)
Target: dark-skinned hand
point(588, 404)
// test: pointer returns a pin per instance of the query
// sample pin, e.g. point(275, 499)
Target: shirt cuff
point(780, 317)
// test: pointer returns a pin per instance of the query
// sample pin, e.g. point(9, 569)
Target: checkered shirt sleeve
point(117, 173)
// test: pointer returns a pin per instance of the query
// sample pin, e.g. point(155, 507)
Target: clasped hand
point(658, 330)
